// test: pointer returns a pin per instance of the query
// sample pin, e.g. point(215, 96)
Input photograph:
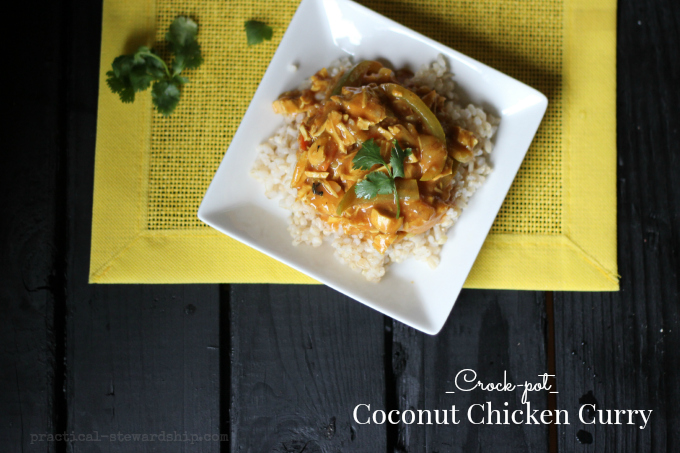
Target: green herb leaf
point(182, 31)
point(397, 159)
point(140, 79)
point(180, 80)
point(187, 57)
point(379, 182)
point(122, 65)
point(165, 95)
point(138, 71)
point(122, 87)
point(182, 40)
point(155, 66)
point(127, 76)
point(257, 31)
point(368, 156)
point(374, 184)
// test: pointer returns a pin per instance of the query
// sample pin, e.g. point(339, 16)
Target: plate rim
point(204, 215)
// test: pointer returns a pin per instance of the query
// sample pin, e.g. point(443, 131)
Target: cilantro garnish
point(374, 184)
point(136, 72)
point(379, 182)
point(397, 159)
point(368, 156)
point(257, 31)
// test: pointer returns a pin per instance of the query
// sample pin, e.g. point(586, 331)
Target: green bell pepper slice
point(430, 121)
point(352, 78)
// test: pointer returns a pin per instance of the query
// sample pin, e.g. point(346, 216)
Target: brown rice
point(277, 157)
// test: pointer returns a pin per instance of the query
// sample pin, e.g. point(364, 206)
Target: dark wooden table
point(281, 368)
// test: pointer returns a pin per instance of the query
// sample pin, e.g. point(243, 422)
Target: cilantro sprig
point(378, 181)
point(257, 31)
point(133, 73)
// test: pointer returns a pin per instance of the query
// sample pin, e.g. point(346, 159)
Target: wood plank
point(303, 357)
point(489, 332)
point(144, 360)
point(140, 359)
point(30, 293)
point(622, 349)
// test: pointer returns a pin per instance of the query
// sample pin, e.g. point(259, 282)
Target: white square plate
point(320, 32)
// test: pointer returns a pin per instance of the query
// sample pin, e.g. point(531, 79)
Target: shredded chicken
point(372, 102)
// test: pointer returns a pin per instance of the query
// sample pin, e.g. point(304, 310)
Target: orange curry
point(367, 102)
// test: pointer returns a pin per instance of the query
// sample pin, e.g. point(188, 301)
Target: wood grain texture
point(29, 227)
point(624, 348)
point(302, 358)
point(489, 332)
point(144, 360)
point(140, 359)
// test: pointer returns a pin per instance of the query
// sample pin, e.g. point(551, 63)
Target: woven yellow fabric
point(555, 231)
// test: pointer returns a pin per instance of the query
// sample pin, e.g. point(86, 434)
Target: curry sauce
point(371, 103)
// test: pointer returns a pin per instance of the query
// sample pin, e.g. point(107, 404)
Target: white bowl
point(320, 32)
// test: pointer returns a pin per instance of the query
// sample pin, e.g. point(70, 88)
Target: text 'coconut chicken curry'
point(374, 157)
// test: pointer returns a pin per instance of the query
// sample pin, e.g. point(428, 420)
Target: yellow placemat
point(555, 231)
